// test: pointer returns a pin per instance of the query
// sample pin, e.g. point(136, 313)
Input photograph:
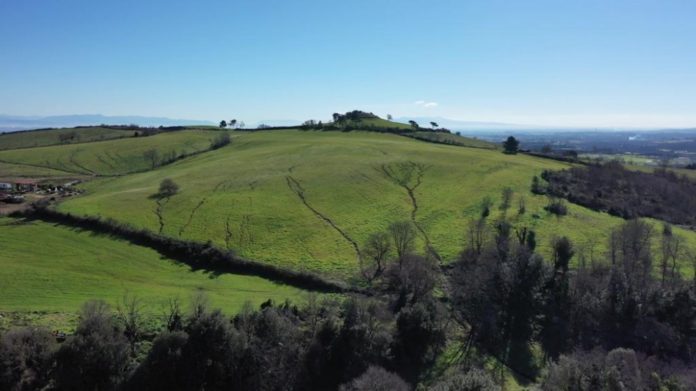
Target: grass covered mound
point(306, 200)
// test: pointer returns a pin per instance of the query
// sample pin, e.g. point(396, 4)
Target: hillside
point(44, 137)
point(111, 157)
point(305, 200)
point(453, 139)
point(71, 267)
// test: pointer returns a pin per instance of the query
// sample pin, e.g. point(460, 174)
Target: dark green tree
point(511, 146)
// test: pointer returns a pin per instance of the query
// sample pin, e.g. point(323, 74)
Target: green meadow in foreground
point(305, 199)
point(112, 157)
point(54, 269)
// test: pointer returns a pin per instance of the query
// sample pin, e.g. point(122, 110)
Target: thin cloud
point(422, 103)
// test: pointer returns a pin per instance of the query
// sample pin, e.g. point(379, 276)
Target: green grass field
point(42, 138)
point(54, 269)
point(453, 139)
point(252, 186)
point(14, 170)
point(383, 123)
point(112, 157)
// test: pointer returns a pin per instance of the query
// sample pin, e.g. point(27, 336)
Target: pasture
point(53, 269)
point(45, 137)
point(112, 157)
point(306, 199)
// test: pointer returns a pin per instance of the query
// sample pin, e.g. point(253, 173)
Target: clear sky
point(554, 62)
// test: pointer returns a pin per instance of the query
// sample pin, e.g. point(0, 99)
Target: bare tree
point(631, 244)
point(174, 316)
point(506, 198)
point(671, 250)
point(403, 235)
point(152, 156)
point(477, 235)
point(376, 254)
point(130, 314)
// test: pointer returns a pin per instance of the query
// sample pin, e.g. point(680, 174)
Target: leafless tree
point(152, 156)
point(376, 254)
point(403, 235)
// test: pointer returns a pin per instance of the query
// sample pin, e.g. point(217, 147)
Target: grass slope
point(381, 123)
point(42, 138)
point(113, 157)
point(52, 268)
point(449, 138)
point(301, 199)
point(14, 170)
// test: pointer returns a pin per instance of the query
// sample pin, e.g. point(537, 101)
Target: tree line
point(612, 188)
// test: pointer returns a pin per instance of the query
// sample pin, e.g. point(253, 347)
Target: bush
point(96, 357)
point(557, 206)
point(168, 188)
point(220, 141)
point(473, 380)
point(25, 359)
point(376, 379)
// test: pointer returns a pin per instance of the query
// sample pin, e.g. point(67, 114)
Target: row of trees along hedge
point(198, 255)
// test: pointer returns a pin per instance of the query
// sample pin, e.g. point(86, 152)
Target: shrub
point(25, 359)
point(557, 206)
point(220, 141)
point(376, 379)
point(473, 380)
point(96, 357)
point(168, 188)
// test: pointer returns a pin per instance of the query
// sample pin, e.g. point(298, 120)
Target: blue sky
point(577, 63)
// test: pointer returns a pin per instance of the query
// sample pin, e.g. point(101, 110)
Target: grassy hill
point(45, 137)
point(304, 200)
point(382, 123)
point(50, 268)
point(112, 157)
point(18, 170)
point(453, 139)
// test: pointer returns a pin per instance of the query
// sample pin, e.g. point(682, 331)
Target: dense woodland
point(626, 193)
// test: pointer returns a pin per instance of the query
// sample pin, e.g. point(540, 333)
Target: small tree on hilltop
point(223, 124)
point(168, 188)
point(413, 124)
point(433, 124)
point(389, 117)
point(510, 146)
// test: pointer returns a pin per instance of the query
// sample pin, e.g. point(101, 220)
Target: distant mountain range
point(13, 122)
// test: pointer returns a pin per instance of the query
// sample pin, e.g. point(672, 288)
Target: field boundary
point(199, 256)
